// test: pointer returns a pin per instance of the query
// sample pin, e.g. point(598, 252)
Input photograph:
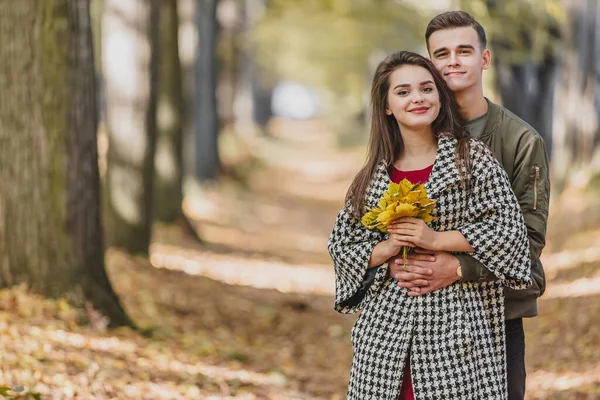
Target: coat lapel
point(445, 172)
point(443, 175)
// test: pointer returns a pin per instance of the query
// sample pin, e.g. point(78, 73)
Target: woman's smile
point(419, 110)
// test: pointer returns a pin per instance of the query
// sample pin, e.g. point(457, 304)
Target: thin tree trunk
point(253, 100)
point(206, 121)
point(527, 88)
point(50, 231)
point(129, 59)
point(168, 161)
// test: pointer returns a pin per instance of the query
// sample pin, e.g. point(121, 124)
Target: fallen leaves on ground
point(199, 338)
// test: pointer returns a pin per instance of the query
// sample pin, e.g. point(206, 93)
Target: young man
point(457, 46)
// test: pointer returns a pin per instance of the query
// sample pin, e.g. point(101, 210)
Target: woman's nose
point(417, 97)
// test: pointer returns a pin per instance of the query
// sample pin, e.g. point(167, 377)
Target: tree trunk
point(168, 161)
point(129, 59)
point(253, 99)
point(526, 88)
point(577, 133)
point(206, 121)
point(50, 231)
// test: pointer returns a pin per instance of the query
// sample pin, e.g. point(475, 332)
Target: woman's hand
point(415, 231)
point(395, 243)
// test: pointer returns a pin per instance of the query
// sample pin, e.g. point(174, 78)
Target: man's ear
point(487, 58)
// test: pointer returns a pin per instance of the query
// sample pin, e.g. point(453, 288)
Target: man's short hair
point(455, 19)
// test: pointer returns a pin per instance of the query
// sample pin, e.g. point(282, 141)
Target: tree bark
point(50, 230)
point(206, 117)
point(168, 161)
point(129, 60)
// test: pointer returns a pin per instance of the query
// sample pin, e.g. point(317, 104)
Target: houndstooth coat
point(455, 335)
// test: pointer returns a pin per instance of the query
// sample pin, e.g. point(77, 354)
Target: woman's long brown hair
point(385, 142)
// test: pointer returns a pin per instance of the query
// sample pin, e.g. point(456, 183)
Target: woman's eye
point(403, 92)
point(428, 90)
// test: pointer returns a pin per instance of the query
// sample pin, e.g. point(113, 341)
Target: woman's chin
point(418, 124)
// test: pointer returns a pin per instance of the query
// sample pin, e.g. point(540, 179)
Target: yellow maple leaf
point(393, 188)
point(406, 210)
point(370, 219)
point(412, 197)
point(405, 187)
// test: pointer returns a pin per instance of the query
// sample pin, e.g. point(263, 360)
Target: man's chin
point(456, 87)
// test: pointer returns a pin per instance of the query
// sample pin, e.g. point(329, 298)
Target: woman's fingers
point(400, 230)
point(401, 224)
point(402, 240)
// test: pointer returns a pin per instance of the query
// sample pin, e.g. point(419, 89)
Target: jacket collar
point(443, 174)
point(492, 120)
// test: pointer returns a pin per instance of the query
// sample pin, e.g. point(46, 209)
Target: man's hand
point(425, 272)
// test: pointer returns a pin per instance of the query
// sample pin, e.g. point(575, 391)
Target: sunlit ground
point(247, 314)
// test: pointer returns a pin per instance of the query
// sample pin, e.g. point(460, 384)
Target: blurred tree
point(206, 124)
point(523, 38)
point(50, 230)
point(546, 55)
point(129, 59)
point(253, 94)
point(168, 160)
point(229, 14)
point(577, 108)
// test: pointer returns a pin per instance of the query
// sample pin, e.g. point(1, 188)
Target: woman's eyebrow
point(407, 85)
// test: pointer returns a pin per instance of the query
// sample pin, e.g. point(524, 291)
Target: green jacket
point(522, 153)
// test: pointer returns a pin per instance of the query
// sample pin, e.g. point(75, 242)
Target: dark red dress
point(418, 176)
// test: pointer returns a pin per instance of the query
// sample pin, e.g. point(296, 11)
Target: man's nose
point(453, 59)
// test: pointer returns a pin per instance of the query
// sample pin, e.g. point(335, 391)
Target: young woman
point(448, 344)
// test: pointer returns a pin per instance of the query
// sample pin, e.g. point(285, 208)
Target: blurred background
point(170, 171)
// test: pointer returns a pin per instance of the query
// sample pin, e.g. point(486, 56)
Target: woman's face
point(413, 98)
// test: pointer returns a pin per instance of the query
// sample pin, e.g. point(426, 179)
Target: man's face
point(457, 55)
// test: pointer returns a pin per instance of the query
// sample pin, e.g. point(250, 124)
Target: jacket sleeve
point(473, 270)
point(350, 247)
point(494, 226)
point(531, 184)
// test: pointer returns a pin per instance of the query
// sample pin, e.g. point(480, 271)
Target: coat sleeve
point(350, 247)
point(494, 226)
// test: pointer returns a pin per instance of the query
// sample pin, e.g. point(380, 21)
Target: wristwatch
point(459, 270)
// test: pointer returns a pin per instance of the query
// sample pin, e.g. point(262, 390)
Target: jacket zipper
point(535, 185)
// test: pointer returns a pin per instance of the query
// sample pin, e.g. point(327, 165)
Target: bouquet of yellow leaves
point(404, 199)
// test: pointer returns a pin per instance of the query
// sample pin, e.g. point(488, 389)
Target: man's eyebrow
point(403, 85)
point(460, 46)
point(441, 49)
